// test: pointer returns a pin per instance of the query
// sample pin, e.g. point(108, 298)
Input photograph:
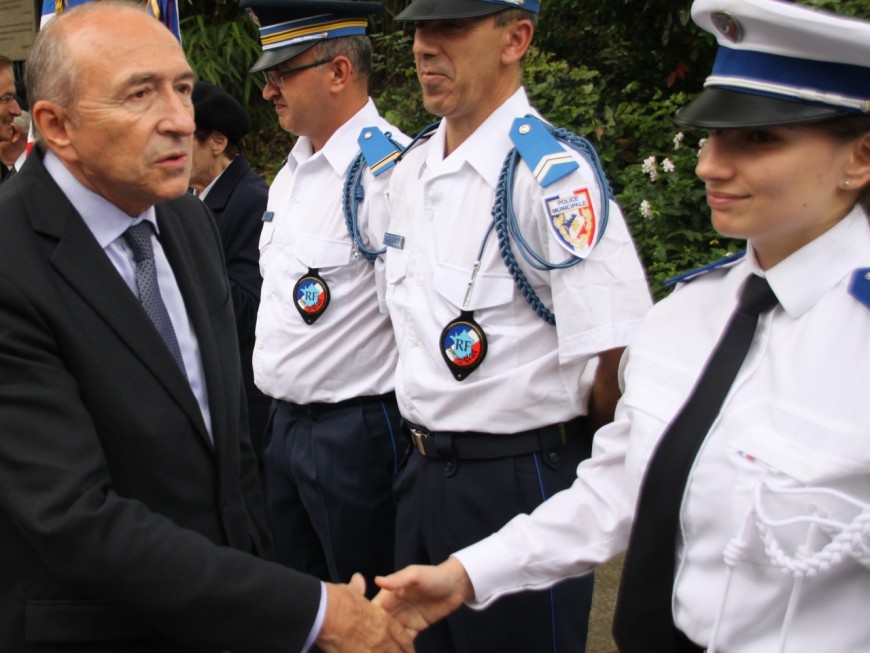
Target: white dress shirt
point(781, 487)
point(349, 351)
point(533, 374)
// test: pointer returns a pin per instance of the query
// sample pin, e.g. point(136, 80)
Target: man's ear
point(518, 39)
point(52, 122)
point(341, 72)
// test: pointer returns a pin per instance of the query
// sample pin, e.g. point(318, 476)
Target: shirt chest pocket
point(492, 303)
point(797, 486)
point(490, 290)
point(329, 257)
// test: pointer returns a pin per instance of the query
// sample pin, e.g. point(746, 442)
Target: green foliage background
point(614, 71)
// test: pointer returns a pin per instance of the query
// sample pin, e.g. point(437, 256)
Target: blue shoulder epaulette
point(685, 277)
point(859, 287)
point(540, 150)
point(379, 151)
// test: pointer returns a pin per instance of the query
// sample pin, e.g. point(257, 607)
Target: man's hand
point(354, 625)
point(419, 595)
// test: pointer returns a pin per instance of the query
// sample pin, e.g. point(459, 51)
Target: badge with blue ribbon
point(311, 296)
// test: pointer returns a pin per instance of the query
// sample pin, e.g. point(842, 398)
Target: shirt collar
point(341, 148)
point(105, 220)
point(484, 150)
point(211, 184)
point(803, 278)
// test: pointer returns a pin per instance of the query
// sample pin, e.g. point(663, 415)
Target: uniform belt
point(470, 445)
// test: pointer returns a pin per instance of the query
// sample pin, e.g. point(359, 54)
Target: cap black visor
point(719, 108)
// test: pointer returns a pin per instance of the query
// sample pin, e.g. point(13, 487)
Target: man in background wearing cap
point(220, 177)
point(324, 349)
point(739, 457)
point(496, 441)
point(9, 109)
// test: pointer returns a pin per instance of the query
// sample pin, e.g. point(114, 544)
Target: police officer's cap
point(290, 27)
point(215, 109)
point(420, 10)
point(779, 63)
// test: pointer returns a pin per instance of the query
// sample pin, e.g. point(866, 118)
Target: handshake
point(410, 600)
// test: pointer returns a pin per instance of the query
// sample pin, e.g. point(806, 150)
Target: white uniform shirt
point(531, 375)
point(788, 456)
point(349, 351)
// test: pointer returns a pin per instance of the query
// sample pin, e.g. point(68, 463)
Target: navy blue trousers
point(445, 506)
point(329, 486)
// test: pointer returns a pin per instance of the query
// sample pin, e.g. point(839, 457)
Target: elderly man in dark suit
point(236, 195)
point(130, 510)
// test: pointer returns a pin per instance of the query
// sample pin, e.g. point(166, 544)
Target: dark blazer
point(238, 201)
point(121, 527)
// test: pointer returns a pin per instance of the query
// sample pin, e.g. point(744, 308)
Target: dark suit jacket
point(121, 527)
point(238, 200)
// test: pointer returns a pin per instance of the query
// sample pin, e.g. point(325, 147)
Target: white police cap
point(779, 63)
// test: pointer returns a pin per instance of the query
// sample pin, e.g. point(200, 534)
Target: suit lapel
point(178, 248)
point(219, 195)
point(82, 263)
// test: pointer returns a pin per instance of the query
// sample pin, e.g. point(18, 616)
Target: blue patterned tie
point(643, 620)
point(138, 237)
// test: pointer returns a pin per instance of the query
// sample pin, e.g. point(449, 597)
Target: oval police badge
point(463, 345)
point(311, 296)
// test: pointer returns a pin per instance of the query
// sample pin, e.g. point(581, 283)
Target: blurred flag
point(166, 11)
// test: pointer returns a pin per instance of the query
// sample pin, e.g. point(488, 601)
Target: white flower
point(649, 168)
point(668, 165)
point(701, 145)
point(646, 210)
point(678, 140)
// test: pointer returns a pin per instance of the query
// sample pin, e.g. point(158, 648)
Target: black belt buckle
point(420, 438)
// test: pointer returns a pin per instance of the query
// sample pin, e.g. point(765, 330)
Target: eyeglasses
point(6, 98)
point(275, 77)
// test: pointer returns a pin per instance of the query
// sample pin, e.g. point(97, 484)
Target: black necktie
point(138, 237)
point(643, 621)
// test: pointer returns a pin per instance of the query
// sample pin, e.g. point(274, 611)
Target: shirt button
point(415, 342)
point(429, 216)
point(411, 405)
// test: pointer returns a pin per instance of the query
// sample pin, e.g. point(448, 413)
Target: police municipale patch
point(572, 218)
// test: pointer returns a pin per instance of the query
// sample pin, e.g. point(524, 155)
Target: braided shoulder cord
point(353, 194)
point(351, 197)
point(507, 225)
point(500, 209)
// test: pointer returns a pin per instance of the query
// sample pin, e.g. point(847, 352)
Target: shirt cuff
point(489, 565)
point(318, 620)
